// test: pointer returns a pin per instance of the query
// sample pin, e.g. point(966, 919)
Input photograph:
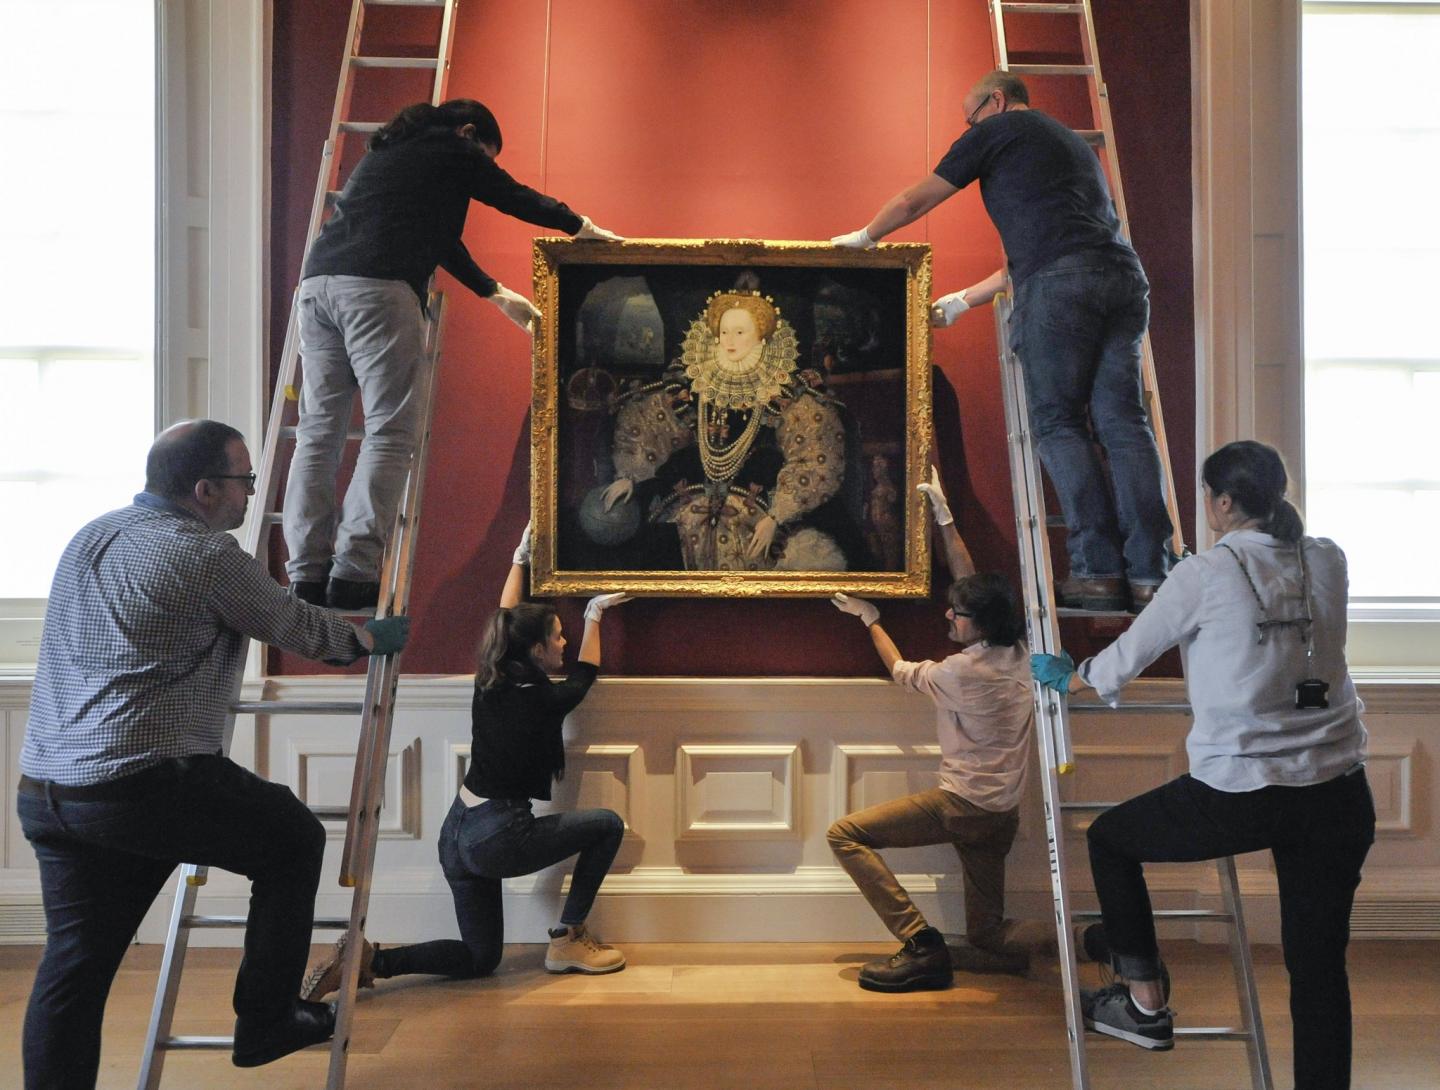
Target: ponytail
point(423, 118)
point(506, 642)
point(1253, 476)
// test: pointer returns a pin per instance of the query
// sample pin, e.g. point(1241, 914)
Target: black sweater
point(516, 745)
point(403, 211)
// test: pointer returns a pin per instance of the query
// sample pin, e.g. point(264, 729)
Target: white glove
point(617, 491)
point(601, 602)
point(856, 607)
point(522, 551)
point(855, 240)
point(589, 231)
point(517, 308)
point(936, 495)
point(947, 308)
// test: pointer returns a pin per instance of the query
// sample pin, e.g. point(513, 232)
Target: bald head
point(1007, 83)
point(187, 453)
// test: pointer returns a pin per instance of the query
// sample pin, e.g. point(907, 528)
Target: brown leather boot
point(1141, 595)
point(1106, 594)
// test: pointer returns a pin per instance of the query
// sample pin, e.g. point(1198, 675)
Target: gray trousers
point(356, 333)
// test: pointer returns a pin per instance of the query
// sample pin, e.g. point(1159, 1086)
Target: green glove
point(1053, 671)
point(389, 634)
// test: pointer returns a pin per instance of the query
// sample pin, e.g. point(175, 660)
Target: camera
point(1310, 693)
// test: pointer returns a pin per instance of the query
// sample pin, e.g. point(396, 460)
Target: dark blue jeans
point(1319, 837)
point(1077, 328)
point(502, 838)
point(102, 863)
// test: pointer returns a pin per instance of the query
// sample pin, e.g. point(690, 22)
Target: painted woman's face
point(738, 334)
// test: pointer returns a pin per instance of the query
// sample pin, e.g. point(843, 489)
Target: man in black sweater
point(361, 303)
point(1082, 304)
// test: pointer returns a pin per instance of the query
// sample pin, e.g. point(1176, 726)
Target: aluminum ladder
point(376, 710)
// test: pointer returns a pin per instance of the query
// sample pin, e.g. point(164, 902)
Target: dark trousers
point(498, 839)
point(1319, 837)
point(102, 863)
point(1077, 327)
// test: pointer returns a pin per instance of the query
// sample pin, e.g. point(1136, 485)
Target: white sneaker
point(575, 950)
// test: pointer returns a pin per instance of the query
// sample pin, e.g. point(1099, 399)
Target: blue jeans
point(1319, 836)
point(502, 838)
point(1077, 328)
point(104, 861)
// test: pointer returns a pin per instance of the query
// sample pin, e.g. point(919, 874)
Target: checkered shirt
point(145, 640)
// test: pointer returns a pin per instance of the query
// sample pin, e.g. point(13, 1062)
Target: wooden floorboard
point(757, 1016)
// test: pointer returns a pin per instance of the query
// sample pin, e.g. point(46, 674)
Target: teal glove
point(389, 634)
point(1053, 671)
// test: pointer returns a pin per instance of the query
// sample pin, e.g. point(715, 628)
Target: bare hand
point(617, 491)
point(761, 538)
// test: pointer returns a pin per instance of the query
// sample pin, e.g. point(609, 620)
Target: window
point(77, 329)
point(1370, 85)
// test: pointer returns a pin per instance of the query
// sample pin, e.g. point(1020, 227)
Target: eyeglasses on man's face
point(975, 113)
point(957, 613)
point(248, 478)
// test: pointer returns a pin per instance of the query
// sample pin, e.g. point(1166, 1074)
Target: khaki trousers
point(982, 838)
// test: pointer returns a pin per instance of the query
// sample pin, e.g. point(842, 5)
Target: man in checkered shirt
point(122, 772)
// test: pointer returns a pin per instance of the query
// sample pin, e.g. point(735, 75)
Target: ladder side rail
point(442, 54)
point(162, 1013)
point(357, 868)
point(345, 85)
point(395, 577)
point(997, 34)
point(1251, 1021)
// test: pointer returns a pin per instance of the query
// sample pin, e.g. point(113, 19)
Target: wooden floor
point(754, 1017)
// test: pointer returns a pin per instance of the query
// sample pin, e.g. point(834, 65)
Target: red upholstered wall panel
point(757, 119)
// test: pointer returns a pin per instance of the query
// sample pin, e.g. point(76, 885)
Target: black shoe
point(309, 590)
point(302, 1025)
point(351, 594)
point(1111, 1011)
point(1107, 594)
point(1141, 595)
point(923, 963)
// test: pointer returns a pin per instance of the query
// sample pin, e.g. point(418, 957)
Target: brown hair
point(509, 636)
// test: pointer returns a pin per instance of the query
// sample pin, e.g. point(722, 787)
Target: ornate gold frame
point(551, 254)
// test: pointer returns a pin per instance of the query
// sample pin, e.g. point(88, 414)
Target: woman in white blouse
point(1276, 753)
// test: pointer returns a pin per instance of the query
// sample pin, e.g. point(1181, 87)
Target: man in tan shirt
point(984, 710)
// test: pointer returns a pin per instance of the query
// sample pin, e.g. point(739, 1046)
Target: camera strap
point(1304, 625)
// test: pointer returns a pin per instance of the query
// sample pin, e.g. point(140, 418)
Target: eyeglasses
point(970, 121)
point(248, 478)
point(957, 613)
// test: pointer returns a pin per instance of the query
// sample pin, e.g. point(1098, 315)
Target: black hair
point(187, 453)
point(509, 637)
point(423, 118)
point(1253, 476)
point(990, 601)
point(1008, 84)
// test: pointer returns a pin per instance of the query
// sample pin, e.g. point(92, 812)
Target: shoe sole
point(919, 984)
point(571, 967)
point(1149, 1043)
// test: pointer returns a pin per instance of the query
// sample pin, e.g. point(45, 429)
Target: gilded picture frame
point(730, 418)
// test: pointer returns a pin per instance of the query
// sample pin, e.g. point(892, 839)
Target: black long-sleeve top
point(403, 210)
point(516, 744)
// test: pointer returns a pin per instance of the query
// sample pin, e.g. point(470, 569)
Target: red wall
point(759, 119)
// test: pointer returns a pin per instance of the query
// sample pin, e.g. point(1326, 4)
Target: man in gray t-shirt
point(1082, 305)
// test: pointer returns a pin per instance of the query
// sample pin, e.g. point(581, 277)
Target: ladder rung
point(331, 923)
point(1054, 520)
point(330, 813)
point(1093, 807)
point(1094, 137)
point(1066, 611)
point(298, 707)
point(1180, 706)
point(351, 436)
point(1016, 7)
point(198, 923)
point(405, 3)
point(180, 1044)
point(1053, 69)
point(360, 126)
point(1213, 1033)
point(394, 62)
point(1198, 914)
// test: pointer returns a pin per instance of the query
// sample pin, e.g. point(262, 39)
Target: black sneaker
point(309, 590)
point(922, 964)
point(346, 594)
point(1111, 1011)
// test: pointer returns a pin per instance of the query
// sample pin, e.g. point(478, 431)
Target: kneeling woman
point(517, 751)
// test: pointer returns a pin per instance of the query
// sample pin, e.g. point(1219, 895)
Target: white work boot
point(575, 950)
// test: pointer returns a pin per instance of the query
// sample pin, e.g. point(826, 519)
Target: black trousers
point(104, 861)
point(1319, 836)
